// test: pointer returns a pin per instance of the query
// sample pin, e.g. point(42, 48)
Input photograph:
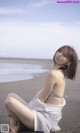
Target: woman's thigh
point(24, 114)
point(17, 97)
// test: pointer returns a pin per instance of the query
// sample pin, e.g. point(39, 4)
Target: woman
point(44, 111)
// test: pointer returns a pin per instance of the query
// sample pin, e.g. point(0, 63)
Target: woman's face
point(61, 58)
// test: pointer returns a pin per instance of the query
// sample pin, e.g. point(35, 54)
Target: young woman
point(44, 111)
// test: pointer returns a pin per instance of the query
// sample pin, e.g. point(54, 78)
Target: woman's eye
point(64, 55)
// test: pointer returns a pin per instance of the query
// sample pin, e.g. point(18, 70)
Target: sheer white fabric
point(46, 116)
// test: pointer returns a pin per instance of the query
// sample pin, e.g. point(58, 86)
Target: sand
point(70, 122)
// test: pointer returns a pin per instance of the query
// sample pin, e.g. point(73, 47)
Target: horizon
point(24, 58)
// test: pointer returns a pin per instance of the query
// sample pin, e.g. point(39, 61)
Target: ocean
point(15, 72)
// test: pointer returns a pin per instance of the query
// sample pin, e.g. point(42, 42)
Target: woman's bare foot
point(14, 129)
point(11, 130)
point(14, 125)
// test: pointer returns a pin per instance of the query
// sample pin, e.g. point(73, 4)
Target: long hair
point(69, 70)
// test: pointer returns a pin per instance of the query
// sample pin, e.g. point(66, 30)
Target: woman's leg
point(17, 97)
point(23, 113)
point(14, 121)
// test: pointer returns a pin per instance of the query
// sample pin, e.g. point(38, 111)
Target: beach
point(70, 122)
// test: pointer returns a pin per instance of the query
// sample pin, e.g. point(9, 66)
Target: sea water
point(15, 72)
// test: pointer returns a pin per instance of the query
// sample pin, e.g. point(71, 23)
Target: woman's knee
point(9, 101)
point(11, 95)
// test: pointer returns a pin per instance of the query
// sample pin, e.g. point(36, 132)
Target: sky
point(37, 28)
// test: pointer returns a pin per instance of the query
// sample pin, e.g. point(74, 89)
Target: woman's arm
point(50, 82)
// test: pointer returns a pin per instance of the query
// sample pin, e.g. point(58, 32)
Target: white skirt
point(46, 116)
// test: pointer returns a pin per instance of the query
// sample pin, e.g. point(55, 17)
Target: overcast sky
point(36, 28)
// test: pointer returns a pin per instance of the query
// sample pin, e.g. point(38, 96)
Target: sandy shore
point(27, 89)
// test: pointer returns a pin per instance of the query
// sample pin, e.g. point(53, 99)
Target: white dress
point(46, 116)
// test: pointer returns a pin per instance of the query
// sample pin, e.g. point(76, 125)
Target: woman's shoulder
point(55, 73)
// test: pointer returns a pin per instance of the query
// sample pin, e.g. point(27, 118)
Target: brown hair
point(69, 70)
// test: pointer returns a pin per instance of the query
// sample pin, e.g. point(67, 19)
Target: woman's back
point(57, 92)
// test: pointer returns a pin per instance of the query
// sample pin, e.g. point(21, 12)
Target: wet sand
point(70, 122)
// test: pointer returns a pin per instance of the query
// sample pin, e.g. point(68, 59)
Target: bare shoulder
point(55, 74)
